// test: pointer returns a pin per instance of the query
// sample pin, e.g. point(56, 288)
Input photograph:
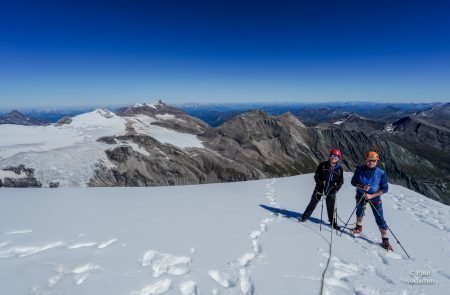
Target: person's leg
point(330, 200)
point(360, 208)
point(377, 210)
point(315, 198)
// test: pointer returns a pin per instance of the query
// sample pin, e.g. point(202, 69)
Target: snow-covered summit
point(350, 117)
point(234, 238)
point(68, 152)
point(155, 105)
point(99, 118)
point(150, 109)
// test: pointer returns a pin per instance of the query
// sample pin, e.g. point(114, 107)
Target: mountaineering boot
point(386, 245)
point(336, 226)
point(357, 229)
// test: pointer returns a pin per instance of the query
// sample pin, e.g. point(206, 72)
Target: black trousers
point(315, 199)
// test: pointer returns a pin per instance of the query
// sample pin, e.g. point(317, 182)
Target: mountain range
point(157, 144)
point(16, 117)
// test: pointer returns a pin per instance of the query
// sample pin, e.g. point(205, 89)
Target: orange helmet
point(372, 156)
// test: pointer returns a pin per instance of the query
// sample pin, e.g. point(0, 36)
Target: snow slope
point(68, 153)
point(213, 239)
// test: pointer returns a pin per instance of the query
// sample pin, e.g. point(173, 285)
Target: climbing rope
point(331, 252)
point(328, 189)
point(343, 220)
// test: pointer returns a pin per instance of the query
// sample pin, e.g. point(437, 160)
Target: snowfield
point(69, 153)
point(234, 238)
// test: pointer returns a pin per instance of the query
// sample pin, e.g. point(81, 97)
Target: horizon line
point(286, 102)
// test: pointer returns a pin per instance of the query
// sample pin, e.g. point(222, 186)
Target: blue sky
point(74, 53)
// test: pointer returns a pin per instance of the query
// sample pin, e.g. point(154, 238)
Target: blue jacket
point(376, 178)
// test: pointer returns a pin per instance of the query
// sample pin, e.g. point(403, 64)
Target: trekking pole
point(321, 214)
point(345, 226)
point(322, 197)
point(389, 229)
point(335, 217)
point(334, 221)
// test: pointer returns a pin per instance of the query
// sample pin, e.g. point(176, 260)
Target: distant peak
point(403, 120)
point(255, 112)
point(105, 113)
point(355, 115)
point(287, 114)
point(291, 117)
point(149, 109)
point(391, 108)
point(16, 117)
point(15, 112)
point(154, 105)
point(350, 118)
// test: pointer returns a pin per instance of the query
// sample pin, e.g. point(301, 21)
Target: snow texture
point(11, 174)
point(339, 122)
point(165, 263)
point(234, 238)
point(159, 287)
point(166, 116)
point(188, 288)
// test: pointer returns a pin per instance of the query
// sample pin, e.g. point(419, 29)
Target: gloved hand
point(334, 187)
point(319, 188)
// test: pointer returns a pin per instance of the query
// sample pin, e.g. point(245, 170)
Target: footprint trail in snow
point(238, 276)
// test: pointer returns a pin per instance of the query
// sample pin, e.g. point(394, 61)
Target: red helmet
point(336, 152)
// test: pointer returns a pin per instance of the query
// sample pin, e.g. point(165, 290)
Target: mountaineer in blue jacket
point(371, 182)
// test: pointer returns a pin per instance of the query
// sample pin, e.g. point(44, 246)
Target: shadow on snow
point(296, 215)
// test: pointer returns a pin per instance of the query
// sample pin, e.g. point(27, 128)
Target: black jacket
point(328, 180)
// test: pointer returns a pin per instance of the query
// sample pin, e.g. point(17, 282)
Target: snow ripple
point(107, 243)
point(27, 251)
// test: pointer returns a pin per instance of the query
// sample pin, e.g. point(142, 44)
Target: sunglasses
point(334, 156)
point(372, 161)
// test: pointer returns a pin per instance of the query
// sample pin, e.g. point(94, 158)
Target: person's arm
point(340, 180)
point(355, 179)
point(384, 185)
point(320, 185)
point(317, 175)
